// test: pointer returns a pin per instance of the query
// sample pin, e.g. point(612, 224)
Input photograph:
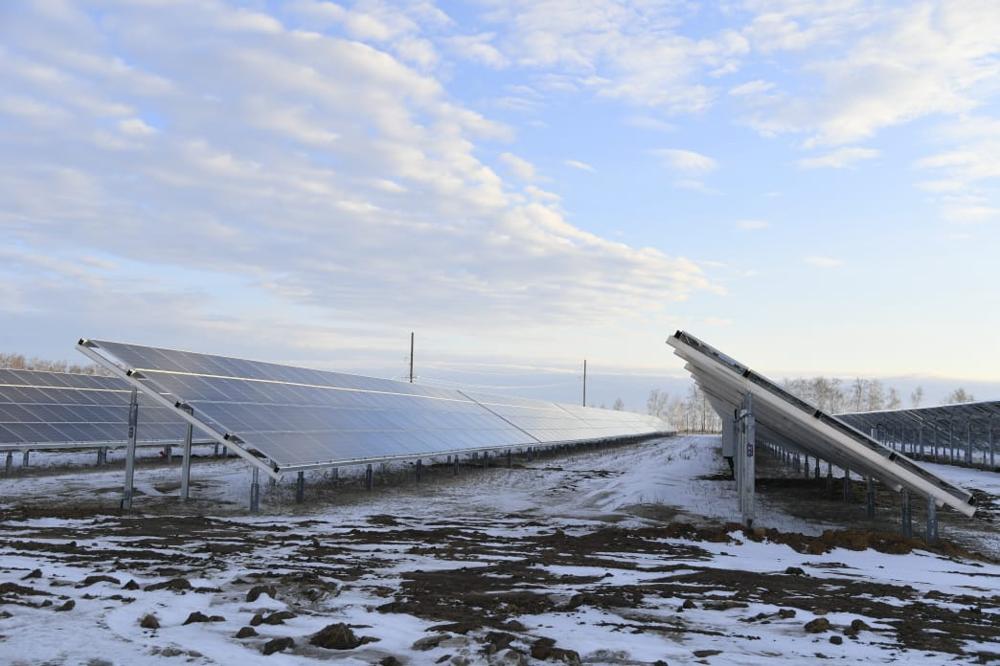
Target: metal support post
point(133, 425)
point(829, 476)
point(817, 469)
point(907, 524)
point(746, 445)
point(254, 490)
point(186, 459)
point(335, 474)
point(931, 533)
point(168, 454)
point(993, 461)
point(870, 497)
point(968, 442)
point(24, 458)
point(486, 459)
point(805, 468)
point(369, 477)
point(419, 467)
point(951, 440)
point(215, 450)
point(847, 485)
point(9, 465)
point(454, 463)
point(920, 440)
point(510, 462)
point(300, 487)
point(531, 454)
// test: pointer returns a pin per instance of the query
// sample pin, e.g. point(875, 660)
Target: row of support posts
point(942, 445)
point(793, 460)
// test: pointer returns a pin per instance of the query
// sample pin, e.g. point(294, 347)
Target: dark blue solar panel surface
point(302, 417)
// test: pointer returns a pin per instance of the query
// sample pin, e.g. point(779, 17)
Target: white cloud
point(823, 262)
point(518, 166)
point(577, 164)
point(328, 178)
point(838, 159)
point(752, 225)
point(685, 161)
point(478, 48)
point(879, 68)
point(135, 127)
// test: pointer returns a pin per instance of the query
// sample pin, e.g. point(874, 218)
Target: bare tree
point(619, 405)
point(917, 397)
point(656, 404)
point(958, 396)
point(893, 401)
point(20, 362)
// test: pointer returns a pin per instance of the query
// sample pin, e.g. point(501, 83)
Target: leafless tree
point(917, 397)
point(958, 396)
point(619, 405)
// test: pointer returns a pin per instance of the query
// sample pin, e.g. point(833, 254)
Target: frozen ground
point(614, 556)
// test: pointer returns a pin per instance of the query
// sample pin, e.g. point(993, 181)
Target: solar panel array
point(51, 410)
point(794, 424)
point(300, 418)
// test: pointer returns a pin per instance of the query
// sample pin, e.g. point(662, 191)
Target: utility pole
point(411, 357)
point(584, 382)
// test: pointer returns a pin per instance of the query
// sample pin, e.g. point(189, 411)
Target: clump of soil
point(544, 649)
point(198, 616)
point(338, 637)
point(246, 632)
point(149, 621)
point(817, 626)
point(174, 584)
point(277, 645)
point(91, 580)
point(254, 593)
point(67, 606)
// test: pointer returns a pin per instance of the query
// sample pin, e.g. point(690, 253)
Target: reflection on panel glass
point(40, 409)
point(299, 417)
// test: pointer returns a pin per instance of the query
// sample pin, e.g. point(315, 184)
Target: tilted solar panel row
point(291, 418)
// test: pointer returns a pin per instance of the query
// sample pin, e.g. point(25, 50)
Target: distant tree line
point(21, 362)
point(694, 413)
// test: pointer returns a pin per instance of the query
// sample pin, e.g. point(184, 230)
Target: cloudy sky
point(811, 186)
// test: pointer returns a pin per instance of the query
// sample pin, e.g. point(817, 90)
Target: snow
point(490, 518)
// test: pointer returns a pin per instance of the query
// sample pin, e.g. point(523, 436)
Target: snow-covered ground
point(619, 555)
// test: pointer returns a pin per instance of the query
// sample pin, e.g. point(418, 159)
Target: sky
point(812, 187)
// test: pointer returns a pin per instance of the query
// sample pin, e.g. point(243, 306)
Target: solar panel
point(53, 410)
point(298, 418)
point(797, 425)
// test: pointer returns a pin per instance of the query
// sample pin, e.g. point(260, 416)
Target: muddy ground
point(659, 584)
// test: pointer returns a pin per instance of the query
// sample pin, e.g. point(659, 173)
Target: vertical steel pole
point(9, 465)
point(186, 459)
point(419, 466)
point(25, 455)
point(847, 485)
point(993, 461)
point(907, 524)
point(920, 440)
point(931, 533)
point(968, 442)
point(254, 489)
point(133, 425)
point(584, 382)
point(870, 497)
point(510, 461)
point(951, 440)
point(369, 477)
point(411, 357)
point(300, 487)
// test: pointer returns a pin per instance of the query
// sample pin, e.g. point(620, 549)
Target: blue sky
point(810, 186)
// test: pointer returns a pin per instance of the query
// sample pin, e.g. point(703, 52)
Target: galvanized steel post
point(254, 490)
point(907, 524)
point(931, 533)
point(300, 487)
point(186, 458)
point(133, 425)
